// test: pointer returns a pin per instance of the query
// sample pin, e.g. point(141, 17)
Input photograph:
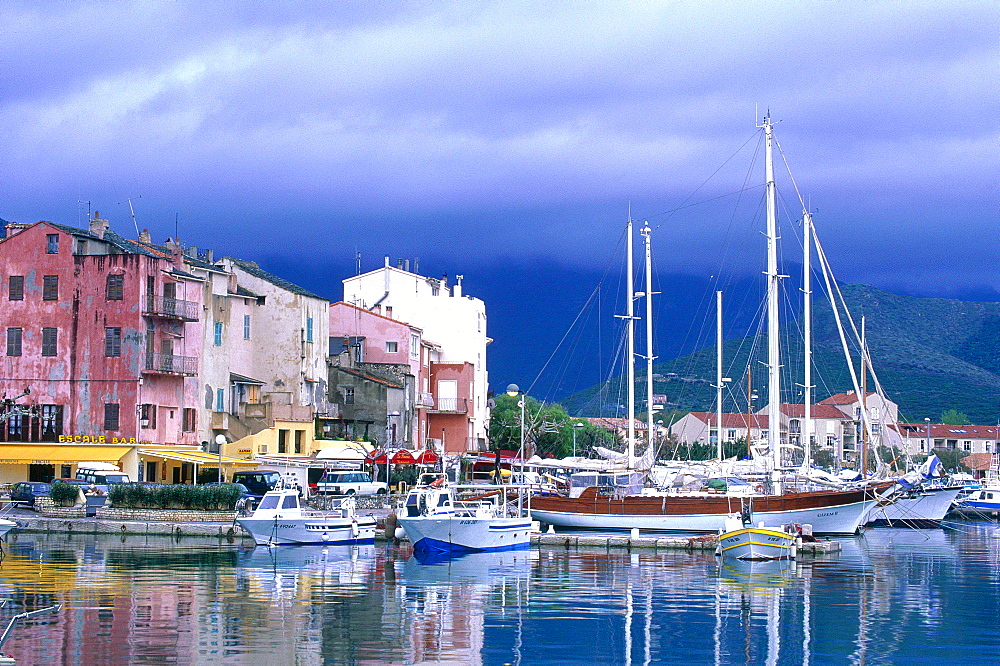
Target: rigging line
point(710, 177)
point(698, 203)
point(577, 317)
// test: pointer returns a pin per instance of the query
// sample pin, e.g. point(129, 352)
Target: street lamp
point(220, 440)
point(576, 426)
point(513, 391)
point(927, 422)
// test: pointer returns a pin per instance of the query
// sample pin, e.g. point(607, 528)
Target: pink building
point(104, 332)
point(439, 400)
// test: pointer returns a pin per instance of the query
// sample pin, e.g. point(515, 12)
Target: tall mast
point(864, 407)
point(807, 425)
point(773, 279)
point(649, 340)
point(718, 374)
point(630, 315)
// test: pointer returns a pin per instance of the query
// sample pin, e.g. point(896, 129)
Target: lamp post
point(576, 426)
point(220, 440)
point(927, 426)
point(512, 391)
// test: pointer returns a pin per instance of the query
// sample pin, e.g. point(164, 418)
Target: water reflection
point(891, 596)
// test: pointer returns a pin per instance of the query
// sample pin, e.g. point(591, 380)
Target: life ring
point(437, 483)
point(759, 488)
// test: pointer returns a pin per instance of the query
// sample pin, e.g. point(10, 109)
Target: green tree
point(548, 428)
point(954, 417)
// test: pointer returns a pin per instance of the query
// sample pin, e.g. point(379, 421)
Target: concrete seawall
point(232, 532)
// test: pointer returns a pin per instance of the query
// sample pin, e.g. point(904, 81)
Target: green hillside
point(931, 354)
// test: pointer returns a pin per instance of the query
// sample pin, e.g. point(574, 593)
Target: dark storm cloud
point(481, 130)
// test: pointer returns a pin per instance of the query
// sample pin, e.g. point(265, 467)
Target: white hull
point(927, 506)
point(844, 519)
point(6, 526)
point(277, 531)
point(450, 532)
point(757, 543)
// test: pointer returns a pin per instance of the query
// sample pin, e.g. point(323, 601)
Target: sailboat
point(829, 511)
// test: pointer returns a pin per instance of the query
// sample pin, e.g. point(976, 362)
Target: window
point(348, 396)
point(309, 329)
point(14, 341)
point(15, 288)
point(391, 347)
point(414, 346)
point(115, 287)
point(52, 422)
point(246, 327)
point(112, 341)
point(299, 438)
point(282, 441)
point(52, 243)
point(967, 445)
point(220, 400)
point(111, 410)
point(218, 335)
point(15, 426)
point(147, 417)
point(49, 340)
point(189, 419)
point(50, 288)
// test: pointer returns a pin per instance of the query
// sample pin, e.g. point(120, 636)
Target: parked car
point(249, 498)
point(350, 483)
point(258, 481)
point(25, 492)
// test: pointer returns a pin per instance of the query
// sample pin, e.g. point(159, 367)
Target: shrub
point(64, 494)
point(178, 496)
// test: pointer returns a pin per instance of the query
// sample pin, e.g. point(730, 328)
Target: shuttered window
point(112, 341)
point(50, 288)
point(50, 338)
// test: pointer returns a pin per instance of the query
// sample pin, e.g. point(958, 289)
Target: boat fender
point(400, 533)
point(437, 483)
point(390, 525)
point(354, 528)
point(759, 488)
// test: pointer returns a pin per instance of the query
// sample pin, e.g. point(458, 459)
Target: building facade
point(453, 326)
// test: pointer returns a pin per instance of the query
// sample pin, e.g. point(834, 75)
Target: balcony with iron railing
point(170, 308)
point(168, 364)
point(425, 400)
point(451, 406)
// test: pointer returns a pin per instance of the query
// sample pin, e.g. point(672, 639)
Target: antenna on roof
point(132, 211)
point(357, 258)
point(88, 210)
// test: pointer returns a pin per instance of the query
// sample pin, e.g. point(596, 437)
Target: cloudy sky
point(481, 136)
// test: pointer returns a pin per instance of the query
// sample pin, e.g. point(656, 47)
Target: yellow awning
point(196, 457)
point(49, 454)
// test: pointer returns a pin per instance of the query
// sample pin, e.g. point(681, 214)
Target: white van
point(100, 474)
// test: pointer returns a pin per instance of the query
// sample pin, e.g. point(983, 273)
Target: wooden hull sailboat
point(829, 511)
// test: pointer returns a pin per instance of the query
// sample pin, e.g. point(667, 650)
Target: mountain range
point(930, 355)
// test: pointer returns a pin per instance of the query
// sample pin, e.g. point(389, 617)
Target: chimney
point(144, 237)
point(97, 225)
point(210, 255)
point(406, 266)
point(399, 264)
point(191, 252)
point(13, 228)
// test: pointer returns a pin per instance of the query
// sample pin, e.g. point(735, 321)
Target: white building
point(455, 324)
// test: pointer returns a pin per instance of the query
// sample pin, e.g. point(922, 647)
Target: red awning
point(376, 457)
point(427, 457)
point(403, 457)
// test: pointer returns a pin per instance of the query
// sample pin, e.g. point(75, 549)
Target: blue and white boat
point(434, 519)
point(281, 519)
point(982, 503)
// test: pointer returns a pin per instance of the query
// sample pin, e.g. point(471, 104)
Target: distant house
point(972, 439)
point(700, 427)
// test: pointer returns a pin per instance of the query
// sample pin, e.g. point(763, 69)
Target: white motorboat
point(280, 519)
point(742, 541)
point(920, 507)
point(6, 526)
point(435, 519)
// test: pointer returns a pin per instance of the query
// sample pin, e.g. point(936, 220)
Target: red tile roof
point(848, 398)
point(732, 420)
point(819, 411)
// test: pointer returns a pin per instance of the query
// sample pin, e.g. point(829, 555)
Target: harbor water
point(890, 597)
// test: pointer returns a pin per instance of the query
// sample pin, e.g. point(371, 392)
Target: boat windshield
point(269, 502)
